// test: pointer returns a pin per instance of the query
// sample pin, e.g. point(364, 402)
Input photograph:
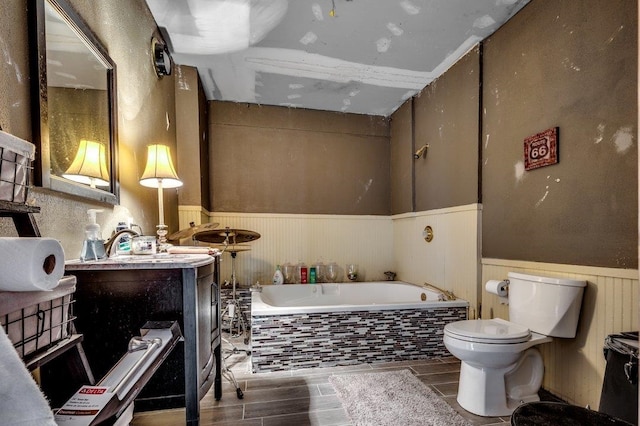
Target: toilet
point(501, 367)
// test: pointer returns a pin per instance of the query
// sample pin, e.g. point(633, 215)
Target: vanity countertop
point(151, 261)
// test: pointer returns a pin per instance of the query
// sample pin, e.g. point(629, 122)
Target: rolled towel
point(30, 264)
point(21, 401)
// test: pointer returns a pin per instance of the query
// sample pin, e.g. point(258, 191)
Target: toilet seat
point(494, 330)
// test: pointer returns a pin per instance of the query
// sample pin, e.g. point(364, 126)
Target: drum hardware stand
point(236, 318)
point(232, 310)
point(235, 315)
point(237, 323)
point(228, 374)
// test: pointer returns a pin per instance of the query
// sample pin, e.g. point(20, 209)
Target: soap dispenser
point(93, 245)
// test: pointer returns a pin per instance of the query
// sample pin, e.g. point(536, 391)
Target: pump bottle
point(93, 245)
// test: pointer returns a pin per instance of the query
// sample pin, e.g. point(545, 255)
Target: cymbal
point(191, 230)
point(228, 235)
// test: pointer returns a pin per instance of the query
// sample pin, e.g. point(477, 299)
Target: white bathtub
point(341, 297)
point(326, 325)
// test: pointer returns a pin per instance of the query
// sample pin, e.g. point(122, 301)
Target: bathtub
point(323, 325)
point(340, 297)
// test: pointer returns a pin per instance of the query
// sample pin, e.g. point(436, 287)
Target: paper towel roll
point(497, 287)
point(30, 264)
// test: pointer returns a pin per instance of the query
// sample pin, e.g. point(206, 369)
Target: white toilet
point(501, 368)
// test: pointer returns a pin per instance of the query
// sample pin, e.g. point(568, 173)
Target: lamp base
point(163, 245)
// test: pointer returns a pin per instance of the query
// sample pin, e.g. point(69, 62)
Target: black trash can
point(619, 396)
point(561, 414)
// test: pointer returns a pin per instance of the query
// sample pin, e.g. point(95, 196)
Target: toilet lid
point(494, 330)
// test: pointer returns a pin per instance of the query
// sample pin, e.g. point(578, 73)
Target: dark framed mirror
point(74, 111)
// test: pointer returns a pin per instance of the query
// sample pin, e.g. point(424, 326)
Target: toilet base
point(498, 392)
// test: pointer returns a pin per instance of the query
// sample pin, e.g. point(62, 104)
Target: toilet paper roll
point(30, 264)
point(497, 287)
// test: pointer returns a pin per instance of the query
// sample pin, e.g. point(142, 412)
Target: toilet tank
point(549, 306)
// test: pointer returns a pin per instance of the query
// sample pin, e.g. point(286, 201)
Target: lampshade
point(90, 165)
point(159, 168)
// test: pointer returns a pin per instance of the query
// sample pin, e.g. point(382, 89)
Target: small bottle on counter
point(302, 268)
point(312, 275)
point(278, 278)
point(124, 243)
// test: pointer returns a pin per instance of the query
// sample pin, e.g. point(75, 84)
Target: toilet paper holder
point(500, 289)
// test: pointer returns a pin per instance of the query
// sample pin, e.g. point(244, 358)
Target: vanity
point(116, 296)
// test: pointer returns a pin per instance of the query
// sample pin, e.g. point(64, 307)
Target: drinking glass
point(320, 272)
point(352, 271)
point(288, 272)
point(331, 272)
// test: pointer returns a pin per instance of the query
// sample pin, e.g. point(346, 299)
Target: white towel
point(21, 401)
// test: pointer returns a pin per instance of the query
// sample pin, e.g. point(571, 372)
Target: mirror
point(75, 86)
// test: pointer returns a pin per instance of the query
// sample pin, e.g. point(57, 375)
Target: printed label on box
point(84, 406)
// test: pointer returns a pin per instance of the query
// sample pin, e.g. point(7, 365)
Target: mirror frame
point(39, 102)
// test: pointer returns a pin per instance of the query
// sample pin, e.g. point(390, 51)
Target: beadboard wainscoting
point(195, 214)
point(364, 240)
point(377, 244)
point(574, 368)
point(451, 260)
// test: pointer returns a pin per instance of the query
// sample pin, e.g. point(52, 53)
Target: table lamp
point(160, 173)
point(90, 165)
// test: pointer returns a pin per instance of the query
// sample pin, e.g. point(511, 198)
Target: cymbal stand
point(228, 374)
point(236, 318)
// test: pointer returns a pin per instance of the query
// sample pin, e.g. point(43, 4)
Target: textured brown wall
point(192, 137)
point(446, 118)
point(282, 160)
point(146, 107)
point(402, 163)
point(205, 171)
point(15, 117)
point(146, 103)
point(572, 65)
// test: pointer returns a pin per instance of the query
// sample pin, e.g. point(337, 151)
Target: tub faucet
point(111, 244)
point(445, 294)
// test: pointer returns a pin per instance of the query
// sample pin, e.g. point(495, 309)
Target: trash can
point(619, 396)
point(558, 413)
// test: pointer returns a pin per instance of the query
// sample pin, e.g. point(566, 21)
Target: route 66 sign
point(541, 149)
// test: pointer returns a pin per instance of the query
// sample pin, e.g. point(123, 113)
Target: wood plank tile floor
point(304, 397)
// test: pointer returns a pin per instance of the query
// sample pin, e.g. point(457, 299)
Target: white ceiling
point(356, 56)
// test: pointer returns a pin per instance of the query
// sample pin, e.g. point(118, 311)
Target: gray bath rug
point(393, 398)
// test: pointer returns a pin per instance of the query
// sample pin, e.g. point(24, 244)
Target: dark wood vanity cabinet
point(114, 300)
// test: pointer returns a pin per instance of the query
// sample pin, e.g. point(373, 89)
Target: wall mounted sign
point(541, 150)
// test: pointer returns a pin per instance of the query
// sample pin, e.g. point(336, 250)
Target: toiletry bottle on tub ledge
point(278, 278)
point(302, 270)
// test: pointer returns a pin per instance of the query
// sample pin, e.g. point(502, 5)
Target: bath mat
point(392, 398)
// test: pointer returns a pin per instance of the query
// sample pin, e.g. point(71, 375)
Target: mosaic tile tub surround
point(284, 342)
